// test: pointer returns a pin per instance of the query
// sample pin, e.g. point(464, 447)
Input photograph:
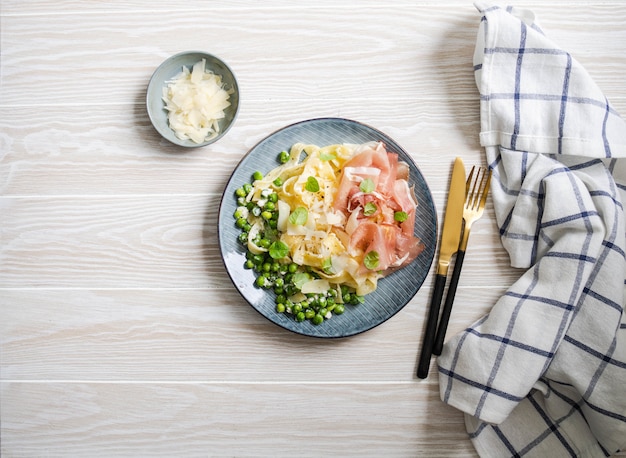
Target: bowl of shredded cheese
point(192, 99)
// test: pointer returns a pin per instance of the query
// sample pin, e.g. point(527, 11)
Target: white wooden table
point(121, 334)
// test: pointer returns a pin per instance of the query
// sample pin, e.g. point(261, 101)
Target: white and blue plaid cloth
point(544, 373)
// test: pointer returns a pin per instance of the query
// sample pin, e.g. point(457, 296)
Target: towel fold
point(544, 373)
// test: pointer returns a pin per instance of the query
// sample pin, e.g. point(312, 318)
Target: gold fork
point(477, 188)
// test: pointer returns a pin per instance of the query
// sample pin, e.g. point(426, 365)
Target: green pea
point(283, 157)
point(269, 205)
point(241, 192)
point(266, 215)
point(293, 267)
point(280, 307)
point(300, 317)
point(273, 197)
point(339, 309)
point(247, 188)
point(257, 175)
point(241, 222)
point(309, 314)
point(248, 264)
point(261, 281)
point(317, 319)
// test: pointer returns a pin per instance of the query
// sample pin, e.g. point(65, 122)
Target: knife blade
point(450, 238)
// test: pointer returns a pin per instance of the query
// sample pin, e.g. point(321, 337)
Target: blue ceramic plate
point(393, 292)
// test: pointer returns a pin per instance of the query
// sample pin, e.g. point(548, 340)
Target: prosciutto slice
point(378, 229)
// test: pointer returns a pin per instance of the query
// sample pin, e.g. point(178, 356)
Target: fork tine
point(468, 183)
point(475, 188)
point(483, 199)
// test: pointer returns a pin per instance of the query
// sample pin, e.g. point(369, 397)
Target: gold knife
point(450, 237)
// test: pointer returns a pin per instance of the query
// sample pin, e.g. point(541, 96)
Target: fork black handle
point(447, 306)
point(431, 326)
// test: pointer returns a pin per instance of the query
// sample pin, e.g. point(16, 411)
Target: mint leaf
point(278, 250)
point(299, 216)
point(371, 260)
point(370, 209)
point(400, 216)
point(367, 185)
point(312, 185)
point(300, 278)
point(327, 266)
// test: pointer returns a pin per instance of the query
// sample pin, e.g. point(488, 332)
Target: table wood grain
point(121, 334)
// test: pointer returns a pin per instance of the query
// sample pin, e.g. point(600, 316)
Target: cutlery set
point(466, 203)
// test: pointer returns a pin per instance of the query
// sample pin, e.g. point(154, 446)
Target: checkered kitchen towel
point(544, 373)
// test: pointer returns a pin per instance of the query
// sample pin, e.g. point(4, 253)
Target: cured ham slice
point(395, 249)
point(375, 226)
point(369, 236)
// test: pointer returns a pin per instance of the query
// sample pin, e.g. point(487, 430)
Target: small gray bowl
point(168, 70)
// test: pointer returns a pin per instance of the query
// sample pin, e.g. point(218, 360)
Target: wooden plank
point(114, 149)
point(229, 419)
point(41, 57)
point(202, 335)
point(29, 7)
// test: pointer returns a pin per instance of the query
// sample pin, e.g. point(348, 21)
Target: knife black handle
point(447, 306)
point(431, 327)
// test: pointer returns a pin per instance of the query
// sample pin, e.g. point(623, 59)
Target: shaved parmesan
point(195, 101)
point(315, 286)
point(283, 215)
